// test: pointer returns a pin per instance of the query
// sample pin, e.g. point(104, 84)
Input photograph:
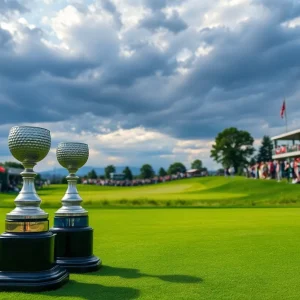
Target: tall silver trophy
point(29, 145)
point(74, 242)
point(27, 247)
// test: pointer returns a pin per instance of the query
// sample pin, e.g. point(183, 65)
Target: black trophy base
point(74, 249)
point(34, 281)
point(27, 262)
point(80, 264)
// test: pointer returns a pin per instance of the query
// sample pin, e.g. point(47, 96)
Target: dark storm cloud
point(241, 82)
point(4, 131)
point(252, 70)
point(147, 62)
point(36, 58)
point(159, 20)
point(4, 151)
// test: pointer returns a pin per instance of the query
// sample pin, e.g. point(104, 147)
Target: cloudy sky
point(147, 81)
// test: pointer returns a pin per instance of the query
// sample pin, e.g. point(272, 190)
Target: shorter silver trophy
point(74, 236)
point(28, 145)
point(72, 156)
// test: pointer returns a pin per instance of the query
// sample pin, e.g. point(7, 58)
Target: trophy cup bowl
point(29, 145)
point(72, 156)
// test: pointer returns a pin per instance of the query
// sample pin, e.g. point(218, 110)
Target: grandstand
point(286, 145)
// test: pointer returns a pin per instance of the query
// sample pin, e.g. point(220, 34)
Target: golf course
point(184, 252)
point(196, 192)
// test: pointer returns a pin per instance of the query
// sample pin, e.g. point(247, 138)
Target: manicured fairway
point(201, 192)
point(182, 253)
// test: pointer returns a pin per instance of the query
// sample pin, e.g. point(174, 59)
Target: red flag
point(282, 111)
point(2, 170)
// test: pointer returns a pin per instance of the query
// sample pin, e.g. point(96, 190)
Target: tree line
point(234, 148)
point(147, 171)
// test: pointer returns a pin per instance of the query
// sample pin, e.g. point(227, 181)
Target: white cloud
point(184, 55)
point(292, 23)
point(204, 50)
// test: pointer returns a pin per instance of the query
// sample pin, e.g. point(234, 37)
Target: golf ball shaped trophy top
point(74, 242)
point(27, 259)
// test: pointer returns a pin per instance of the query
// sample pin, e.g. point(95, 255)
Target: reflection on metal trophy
point(74, 242)
point(27, 246)
point(28, 145)
point(72, 156)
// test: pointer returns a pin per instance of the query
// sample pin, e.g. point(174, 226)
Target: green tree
point(12, 164)
point(232, 147)
point(162, 172)
point(127, 173)
point(252, 161)
point(146, 171)
point(176, 167)
point(265, 150)
point(109, 169)
point(92, 174)
point(197, 164)
point(64, 180)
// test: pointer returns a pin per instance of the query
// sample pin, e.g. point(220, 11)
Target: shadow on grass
point(89, 291)
point(135, 273)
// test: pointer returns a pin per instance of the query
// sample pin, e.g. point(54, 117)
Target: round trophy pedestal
point(74, 247)
point(80, 264)
point(27, 262)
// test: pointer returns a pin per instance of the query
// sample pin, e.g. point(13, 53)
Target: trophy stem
point(71, 200)
point(27, 202)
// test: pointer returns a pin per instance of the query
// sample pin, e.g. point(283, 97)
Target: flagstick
point(286, 127)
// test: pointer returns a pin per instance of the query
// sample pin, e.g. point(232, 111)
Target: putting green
point(188, 254)
point(201, 192)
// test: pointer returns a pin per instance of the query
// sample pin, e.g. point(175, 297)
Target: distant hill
point(61, 172)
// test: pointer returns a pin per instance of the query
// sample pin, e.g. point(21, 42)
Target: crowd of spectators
point(137, 181)
point(277, 170)
point(14, 186)
point(229, 172)
point(286, 148)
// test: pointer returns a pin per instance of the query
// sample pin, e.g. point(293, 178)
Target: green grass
point(197, 192)
point(183, 254)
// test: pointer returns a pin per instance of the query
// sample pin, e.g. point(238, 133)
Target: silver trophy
point(72, 156)
point(28, 145)
point(74, 236)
